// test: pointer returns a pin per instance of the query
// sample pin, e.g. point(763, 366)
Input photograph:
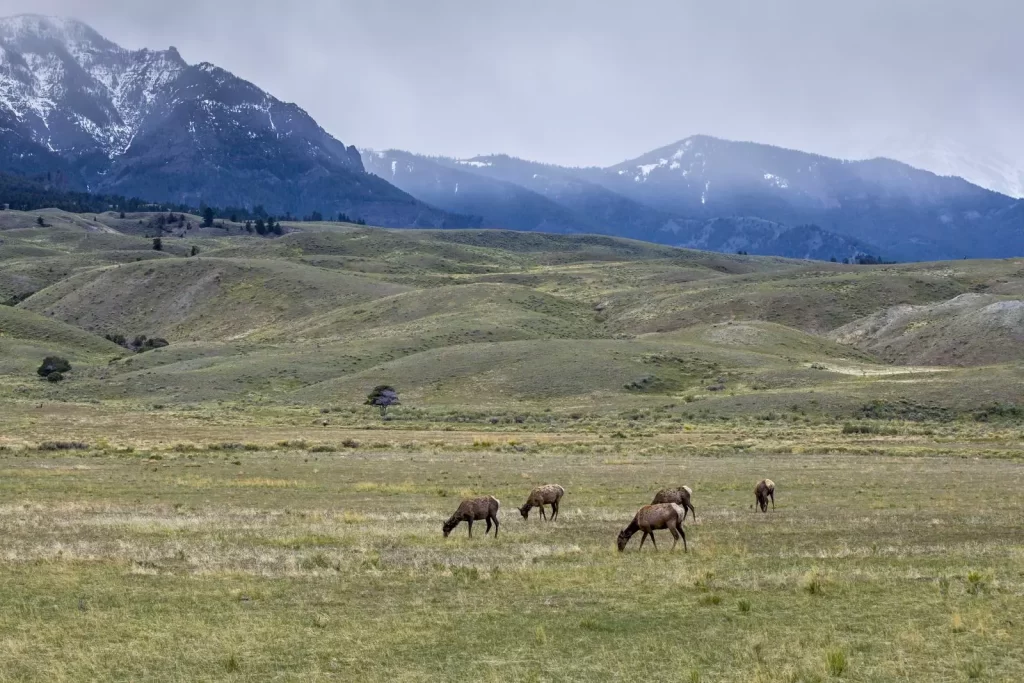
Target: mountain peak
point(63, 30)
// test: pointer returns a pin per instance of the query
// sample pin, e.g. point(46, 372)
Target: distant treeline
point(20, 193)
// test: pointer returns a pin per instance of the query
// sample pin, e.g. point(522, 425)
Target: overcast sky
point(598, 81)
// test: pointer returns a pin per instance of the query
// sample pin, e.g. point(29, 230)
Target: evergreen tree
point(261, 227)
point(158, 244)
point(208, 217)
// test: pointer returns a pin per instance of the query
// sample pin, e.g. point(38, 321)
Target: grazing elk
point(472, 510)
point(651, 517)
point(541, 496)
point(764, 490)
point(679, 496)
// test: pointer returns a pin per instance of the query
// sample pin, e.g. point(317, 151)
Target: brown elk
point(651, 517)
point(472, 510)
point(679, 496)
point(541, 496)
point(764, 490)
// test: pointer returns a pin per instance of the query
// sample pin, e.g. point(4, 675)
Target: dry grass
point(301, 566)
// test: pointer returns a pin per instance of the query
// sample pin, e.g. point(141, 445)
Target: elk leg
point(693, 512)
point(488, 530)
point(653, 542)
point(675, 537)
point(495, 526)
point(542, 515)
point(772, 494)
point(554, 511)
point(643, 540)
point(469, 523)
point(683, 534)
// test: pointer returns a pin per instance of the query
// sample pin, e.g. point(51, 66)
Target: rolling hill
point(487, 319)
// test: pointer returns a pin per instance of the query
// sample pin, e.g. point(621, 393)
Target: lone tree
point(158, 244)
point(383, 396)
point(208, 217)
point(52, 364)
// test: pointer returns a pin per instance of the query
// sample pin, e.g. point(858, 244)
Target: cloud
point(599, 81)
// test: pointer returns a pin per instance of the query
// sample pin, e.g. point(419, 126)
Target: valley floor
point(244, 546)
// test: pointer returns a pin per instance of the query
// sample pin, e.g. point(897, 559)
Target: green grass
point(294, 566)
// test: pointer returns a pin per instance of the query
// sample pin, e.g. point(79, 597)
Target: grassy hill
point(487, 318)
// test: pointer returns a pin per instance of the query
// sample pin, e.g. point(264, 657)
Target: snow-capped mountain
point(707, 192)
point(146, 123)
point(911, 214)
point(524, 195)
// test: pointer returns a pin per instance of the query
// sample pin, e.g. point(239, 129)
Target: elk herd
point(668, 510)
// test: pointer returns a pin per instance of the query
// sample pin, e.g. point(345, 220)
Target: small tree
point(261, 227)
point(194, 251)
point(158, 244)
point(316, 217)
point(383, 396)
point(122, 215)
point(208, 217)
point(53, 364)
point(40, 222)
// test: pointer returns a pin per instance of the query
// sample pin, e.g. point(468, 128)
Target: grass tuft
point(836, 662)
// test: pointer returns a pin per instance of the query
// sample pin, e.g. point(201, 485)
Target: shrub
point(744, 606)
point(55, 377)
point(350, 443)
point(53, 364)
point(63, 446)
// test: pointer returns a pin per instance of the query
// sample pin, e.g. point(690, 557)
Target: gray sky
point(599, 81)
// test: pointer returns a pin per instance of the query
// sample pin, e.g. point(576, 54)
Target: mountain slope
point(910, 214)
point(525, 195)
point(500, 204)
point(146, 123)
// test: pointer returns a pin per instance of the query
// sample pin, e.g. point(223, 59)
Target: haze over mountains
point(91, 115)
point(717, 194)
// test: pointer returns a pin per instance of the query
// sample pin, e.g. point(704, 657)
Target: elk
point(651, 517)
point(764, 490)
point(679, 496)
point(471, 510)
point(541, 496)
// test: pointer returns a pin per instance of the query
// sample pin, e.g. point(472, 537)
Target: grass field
point(301, 561)
point(226, 508)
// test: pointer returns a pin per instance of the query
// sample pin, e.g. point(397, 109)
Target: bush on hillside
point(55, 377)
point(53, 364)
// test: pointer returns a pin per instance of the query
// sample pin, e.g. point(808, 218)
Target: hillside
point(970, 329)
point(487, 317)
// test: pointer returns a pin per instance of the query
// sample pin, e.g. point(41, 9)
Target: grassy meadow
point(225, 508)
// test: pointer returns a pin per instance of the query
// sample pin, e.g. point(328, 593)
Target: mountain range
point(93, 116)
point(710, 193)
